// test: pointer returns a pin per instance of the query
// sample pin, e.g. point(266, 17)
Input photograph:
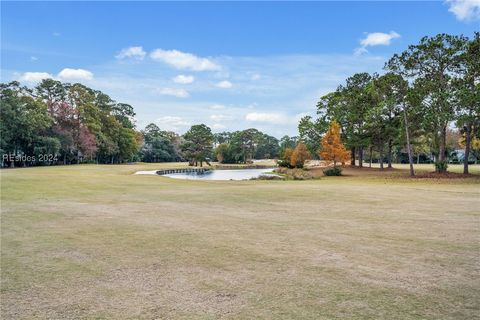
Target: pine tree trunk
point(468, 142)
point(443, 145)
point(12, 163)
point(360, 157)
point(352, 162)
point(409, 147)
point(381, 156)
point(389, 154)
point(371, 151)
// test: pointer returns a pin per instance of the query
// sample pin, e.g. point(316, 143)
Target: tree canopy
point(332, 146)
point(428, 88)
point(70, 122)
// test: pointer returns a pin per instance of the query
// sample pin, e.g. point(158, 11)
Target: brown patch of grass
point(86, 242)
point(444, 175)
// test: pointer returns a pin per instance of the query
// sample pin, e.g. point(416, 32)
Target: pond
point(235, 174)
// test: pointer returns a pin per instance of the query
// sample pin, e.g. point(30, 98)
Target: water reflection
point(238, 174)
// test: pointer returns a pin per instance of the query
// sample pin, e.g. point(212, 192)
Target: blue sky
point(229, 65)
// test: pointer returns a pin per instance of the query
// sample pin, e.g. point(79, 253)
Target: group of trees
point(160, 146)
point(199, 145)
point(246, 145)
point(64, 123)
point(329, 147)
point(426, 90)
point(294, 157)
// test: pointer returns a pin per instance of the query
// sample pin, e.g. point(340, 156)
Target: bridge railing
point(183, 170)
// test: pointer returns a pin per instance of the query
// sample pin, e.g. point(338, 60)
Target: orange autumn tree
point(300, 155)
point(332, 146)
point(286, 157)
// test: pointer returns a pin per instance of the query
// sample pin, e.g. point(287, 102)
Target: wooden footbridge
point(184, 170)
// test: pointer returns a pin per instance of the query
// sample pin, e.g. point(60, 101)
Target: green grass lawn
point(96, 242)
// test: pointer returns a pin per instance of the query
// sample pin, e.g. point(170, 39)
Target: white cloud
point(183, 79)
point(171, 123)
point(64, 75)
point(131, 52)
point(359, 51)
point(75, 74)
point(276, 118)
point(33, 58)
point(217, 107)
point(224, 84)
point(179, 93)
point(34, 77)
point(465, 10)
point(56, 34)
point(220, 117)
point(379, 39)
point(183, 60)
point(218, 126)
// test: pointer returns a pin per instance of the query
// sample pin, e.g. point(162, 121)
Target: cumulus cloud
point(220, 117)
point(171, 123)
point(217, 107)
point(465, 10)
point(379, 39)
point(179, 93)
point(131, 52)
point(183, 79)
point(183, 60)
point(66, 74)
point(224, 84)
point(34, 77)
point(75, 74)
point(276, 118)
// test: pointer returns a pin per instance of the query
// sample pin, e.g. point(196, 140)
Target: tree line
point(199, 145)
point(63, 123)
point(428, 91)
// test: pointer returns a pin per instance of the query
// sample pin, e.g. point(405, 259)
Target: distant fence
point(184, 170)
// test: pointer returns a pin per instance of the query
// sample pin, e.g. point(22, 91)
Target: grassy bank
point(97, 242)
